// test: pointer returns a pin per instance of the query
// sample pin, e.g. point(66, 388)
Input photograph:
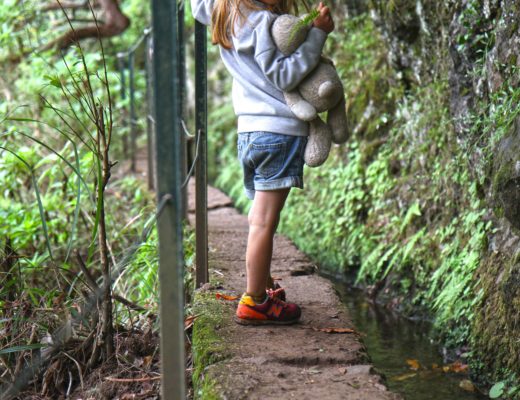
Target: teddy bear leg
point(318, 144)
point(300, 107)
point(337, 120)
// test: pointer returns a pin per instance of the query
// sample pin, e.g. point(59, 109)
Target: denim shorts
point(271, 161)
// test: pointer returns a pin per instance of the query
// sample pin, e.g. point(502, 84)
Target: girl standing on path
point(271, 140)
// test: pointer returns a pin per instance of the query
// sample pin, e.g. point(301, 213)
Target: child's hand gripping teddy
point(320, 91)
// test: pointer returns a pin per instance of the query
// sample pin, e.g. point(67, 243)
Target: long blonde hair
point(226, 14)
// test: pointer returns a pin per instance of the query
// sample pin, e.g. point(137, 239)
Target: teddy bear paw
point(304, 110)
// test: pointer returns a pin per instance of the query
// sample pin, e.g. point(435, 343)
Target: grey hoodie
point(260, 72)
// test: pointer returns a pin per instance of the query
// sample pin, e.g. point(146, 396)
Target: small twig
point(7, 368)
point(128, 303)
point(70, 385)
point(132, 220)
point(111, 253)
point(130, 380)
point(90, 279)
point(79, 369)
point(94, 286)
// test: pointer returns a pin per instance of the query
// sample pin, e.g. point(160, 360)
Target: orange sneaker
point(271, 311)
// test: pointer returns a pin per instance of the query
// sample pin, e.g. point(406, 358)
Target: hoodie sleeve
point(201, 10)
point(284, 72)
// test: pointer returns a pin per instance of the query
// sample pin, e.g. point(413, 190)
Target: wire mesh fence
point(160, 128)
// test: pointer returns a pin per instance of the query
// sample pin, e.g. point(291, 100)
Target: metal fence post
point(133, 130)
point(171, 260)
point(150, 128)
point(182, 95)
point(121, 66)
point(201, 174)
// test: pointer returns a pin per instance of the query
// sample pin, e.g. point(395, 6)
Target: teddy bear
point(321, 90)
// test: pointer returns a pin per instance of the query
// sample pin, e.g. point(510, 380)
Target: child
point(271, 140)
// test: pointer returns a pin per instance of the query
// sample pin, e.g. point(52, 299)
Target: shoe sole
point(256, 322)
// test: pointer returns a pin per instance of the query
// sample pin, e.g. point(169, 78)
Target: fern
point(305, 21)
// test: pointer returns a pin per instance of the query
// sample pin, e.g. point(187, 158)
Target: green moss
point(501, 177)
point(496, 328)
point(207, 391)
point(209, 346)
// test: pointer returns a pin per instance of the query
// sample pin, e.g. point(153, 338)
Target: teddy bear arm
point(299, 106)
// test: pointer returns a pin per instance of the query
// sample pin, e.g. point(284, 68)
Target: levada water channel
point(403, 352)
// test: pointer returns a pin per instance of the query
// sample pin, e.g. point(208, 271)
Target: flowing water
point(391, 340)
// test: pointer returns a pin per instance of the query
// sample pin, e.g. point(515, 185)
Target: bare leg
point(263, 221)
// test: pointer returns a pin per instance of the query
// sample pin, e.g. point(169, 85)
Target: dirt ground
point(298, 361)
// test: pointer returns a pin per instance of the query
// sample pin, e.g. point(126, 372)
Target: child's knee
point(263, 220)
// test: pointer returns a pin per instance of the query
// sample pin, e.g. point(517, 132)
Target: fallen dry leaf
point(335, 330)
point(414, 364)
point(147, 362)
point(403, 377)
point(467, 385)
point(458, 367)
point(225, 297)
point(311, 371)
point(342, 370)
point(188, 321)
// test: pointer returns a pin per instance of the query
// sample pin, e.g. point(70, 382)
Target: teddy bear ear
point(288, 33)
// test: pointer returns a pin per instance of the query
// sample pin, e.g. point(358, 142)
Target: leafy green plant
point(505, 389)
point(55, 164)
point(303, 23)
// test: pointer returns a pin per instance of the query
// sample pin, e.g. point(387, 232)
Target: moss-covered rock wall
point(423, 202)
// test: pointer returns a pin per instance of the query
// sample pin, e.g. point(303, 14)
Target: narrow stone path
point(273, 362)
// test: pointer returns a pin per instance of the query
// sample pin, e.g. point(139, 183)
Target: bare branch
point(68, 5)
point(115, 23)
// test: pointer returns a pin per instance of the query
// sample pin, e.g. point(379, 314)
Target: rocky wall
point(476, 44)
